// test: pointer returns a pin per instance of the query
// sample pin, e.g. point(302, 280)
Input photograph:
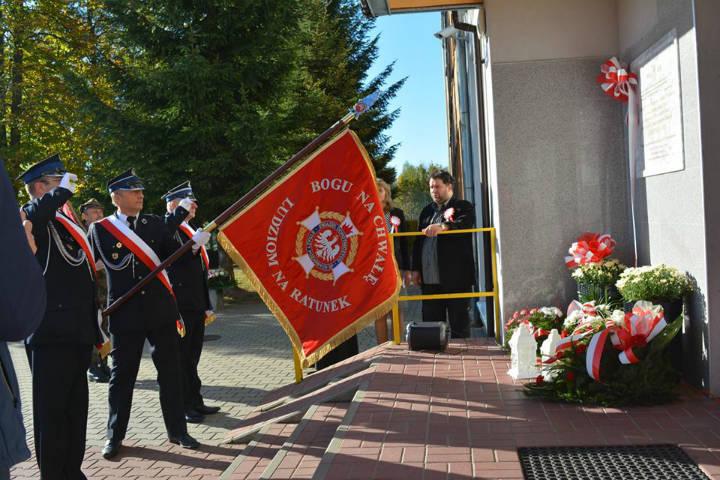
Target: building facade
point(546, 154)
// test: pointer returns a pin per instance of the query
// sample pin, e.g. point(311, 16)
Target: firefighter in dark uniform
point(126, 242)
point(91, 211)
point(189, 276)
point(60, 348)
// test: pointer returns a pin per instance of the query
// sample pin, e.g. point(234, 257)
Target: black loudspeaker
point(427, 336)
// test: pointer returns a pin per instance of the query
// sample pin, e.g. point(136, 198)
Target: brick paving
point(458, 415)
point(246, 354)
point(415, 415)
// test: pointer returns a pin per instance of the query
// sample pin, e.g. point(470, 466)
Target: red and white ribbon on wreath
point(615, 80)
point(589, 248)
point(394, 224)
point(582, 330)
point(639, 327)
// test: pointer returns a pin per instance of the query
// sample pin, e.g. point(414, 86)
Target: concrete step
point(259, 452)
point(301, 454)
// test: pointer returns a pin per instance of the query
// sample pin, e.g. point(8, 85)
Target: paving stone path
point(246, 355)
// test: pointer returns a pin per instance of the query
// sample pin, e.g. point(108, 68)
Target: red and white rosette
point(449, 215)
point(620, 84)
point(640, 326)
point(615, 80)
point(589, 248)
point(394, 224)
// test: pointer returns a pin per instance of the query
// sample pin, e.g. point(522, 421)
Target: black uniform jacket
point(189, 278)
point(401, 243)
point(153, 306)
point(455, 252)
point(71, 313)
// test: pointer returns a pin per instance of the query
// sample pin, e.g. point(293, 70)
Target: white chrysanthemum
point(618, 316)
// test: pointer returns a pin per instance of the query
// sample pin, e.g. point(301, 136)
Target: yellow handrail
point(492, 293)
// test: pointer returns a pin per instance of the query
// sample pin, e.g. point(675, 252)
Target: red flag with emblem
point(316, 247)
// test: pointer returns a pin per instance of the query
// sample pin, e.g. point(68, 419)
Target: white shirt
point(124, 218)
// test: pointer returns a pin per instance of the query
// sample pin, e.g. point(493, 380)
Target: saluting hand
point(27, 225)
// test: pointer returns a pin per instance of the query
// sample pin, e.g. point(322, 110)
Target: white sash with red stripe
point(79, 235)
point(142, 251)
point(189, 231)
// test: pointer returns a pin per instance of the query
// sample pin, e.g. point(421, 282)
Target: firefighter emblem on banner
point(316, 248)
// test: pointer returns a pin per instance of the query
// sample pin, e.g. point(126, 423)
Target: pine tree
point(198, 86)
point(336, 53)
point(221, 92)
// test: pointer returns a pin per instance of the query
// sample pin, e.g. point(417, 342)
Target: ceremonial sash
point(189, 231)
point(142, 251)
point(79, 235)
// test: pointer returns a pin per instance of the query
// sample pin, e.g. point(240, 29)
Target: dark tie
point(131, 221)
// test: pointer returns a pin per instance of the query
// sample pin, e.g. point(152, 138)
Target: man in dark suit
point(130, 244)
point(445, 263)
point(189, 276)
point(60, 348)
point(22, 307)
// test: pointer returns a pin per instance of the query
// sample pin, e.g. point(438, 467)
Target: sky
point(421, 128)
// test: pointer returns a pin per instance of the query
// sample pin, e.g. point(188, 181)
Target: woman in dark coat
point(395, 222)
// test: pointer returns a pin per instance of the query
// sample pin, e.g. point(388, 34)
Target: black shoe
point(95, 374)
point(111, 448)
point(185, 441)
point(205, 410)
point(192, 416)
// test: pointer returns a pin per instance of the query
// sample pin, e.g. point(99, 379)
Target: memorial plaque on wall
point(660, 139)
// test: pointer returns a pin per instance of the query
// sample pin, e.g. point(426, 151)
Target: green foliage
point(653, 283)
point(217, 92)
point(413, 192)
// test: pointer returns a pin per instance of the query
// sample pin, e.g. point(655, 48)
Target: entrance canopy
point(378, 8)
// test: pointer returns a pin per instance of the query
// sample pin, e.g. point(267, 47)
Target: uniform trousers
point(455, 310)
point(126, 353)
point(60, 408)
point(190, 349)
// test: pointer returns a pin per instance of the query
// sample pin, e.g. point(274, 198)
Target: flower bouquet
point(596, 281)
point(594, 273)
point(658, 283)
point(611, 358)
point(540, 321)
point(218, 279)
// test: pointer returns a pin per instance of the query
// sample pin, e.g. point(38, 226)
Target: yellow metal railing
point(491, 293)
point(407, 298)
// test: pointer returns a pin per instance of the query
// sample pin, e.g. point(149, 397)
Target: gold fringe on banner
point(380, 311)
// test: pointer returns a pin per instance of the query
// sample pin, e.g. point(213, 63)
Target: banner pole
point(359, 108)
point(298, 366)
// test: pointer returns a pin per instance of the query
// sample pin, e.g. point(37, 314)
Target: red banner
point(317, 249)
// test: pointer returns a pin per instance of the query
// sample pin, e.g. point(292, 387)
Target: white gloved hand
point(69, 182)
point(200, 238)
point(186, 203)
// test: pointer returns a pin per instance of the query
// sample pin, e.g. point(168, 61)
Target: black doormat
point(651, 462)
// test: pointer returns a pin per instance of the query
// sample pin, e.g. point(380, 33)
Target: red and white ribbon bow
point(449, 215)
point(394, 224)
point(589, 248)
point(639, 327)
point(616, 81)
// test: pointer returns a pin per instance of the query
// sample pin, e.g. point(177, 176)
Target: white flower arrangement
point(654, 283)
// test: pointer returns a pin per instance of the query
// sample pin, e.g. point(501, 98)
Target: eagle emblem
point(326, 245)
